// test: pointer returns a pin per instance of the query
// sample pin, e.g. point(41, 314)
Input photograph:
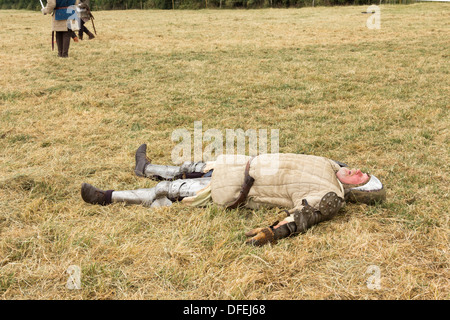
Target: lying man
point(312, 189)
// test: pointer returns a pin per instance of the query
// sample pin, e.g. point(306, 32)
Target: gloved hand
point(43, 11)
point(277, 231)
point(260, 236)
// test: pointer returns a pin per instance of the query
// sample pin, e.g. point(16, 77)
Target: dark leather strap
point(245, 188)
point(93, 25)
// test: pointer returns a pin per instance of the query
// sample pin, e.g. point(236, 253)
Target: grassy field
point(375, 99)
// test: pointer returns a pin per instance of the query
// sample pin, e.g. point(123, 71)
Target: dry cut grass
point(376, 99)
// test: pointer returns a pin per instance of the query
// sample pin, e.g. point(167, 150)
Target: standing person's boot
point(90, 34)
point(144, 168)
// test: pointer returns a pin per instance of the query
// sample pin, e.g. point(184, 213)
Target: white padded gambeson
point(281, 180)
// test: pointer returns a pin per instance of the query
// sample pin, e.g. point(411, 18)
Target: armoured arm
point(298, 220)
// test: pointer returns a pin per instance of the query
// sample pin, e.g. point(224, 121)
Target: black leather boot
point(141, 160)
point(93, 195)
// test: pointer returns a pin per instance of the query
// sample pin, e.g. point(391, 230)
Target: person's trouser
point(83, 29)
point(63, 43)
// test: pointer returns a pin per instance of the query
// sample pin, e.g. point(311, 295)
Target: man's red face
point(352, 176)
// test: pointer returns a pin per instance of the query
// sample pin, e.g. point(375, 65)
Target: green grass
point(375, 99)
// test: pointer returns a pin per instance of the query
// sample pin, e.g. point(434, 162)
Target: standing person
point(85, 14)
point(62, 11)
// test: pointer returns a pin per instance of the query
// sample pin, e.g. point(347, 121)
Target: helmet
point(369, 193)
point(83, 10)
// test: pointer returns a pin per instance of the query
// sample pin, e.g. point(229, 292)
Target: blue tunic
point(64, 10)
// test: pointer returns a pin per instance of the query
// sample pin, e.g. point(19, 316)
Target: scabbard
point(93, 25)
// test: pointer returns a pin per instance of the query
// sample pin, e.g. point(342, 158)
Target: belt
point(245, 188)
